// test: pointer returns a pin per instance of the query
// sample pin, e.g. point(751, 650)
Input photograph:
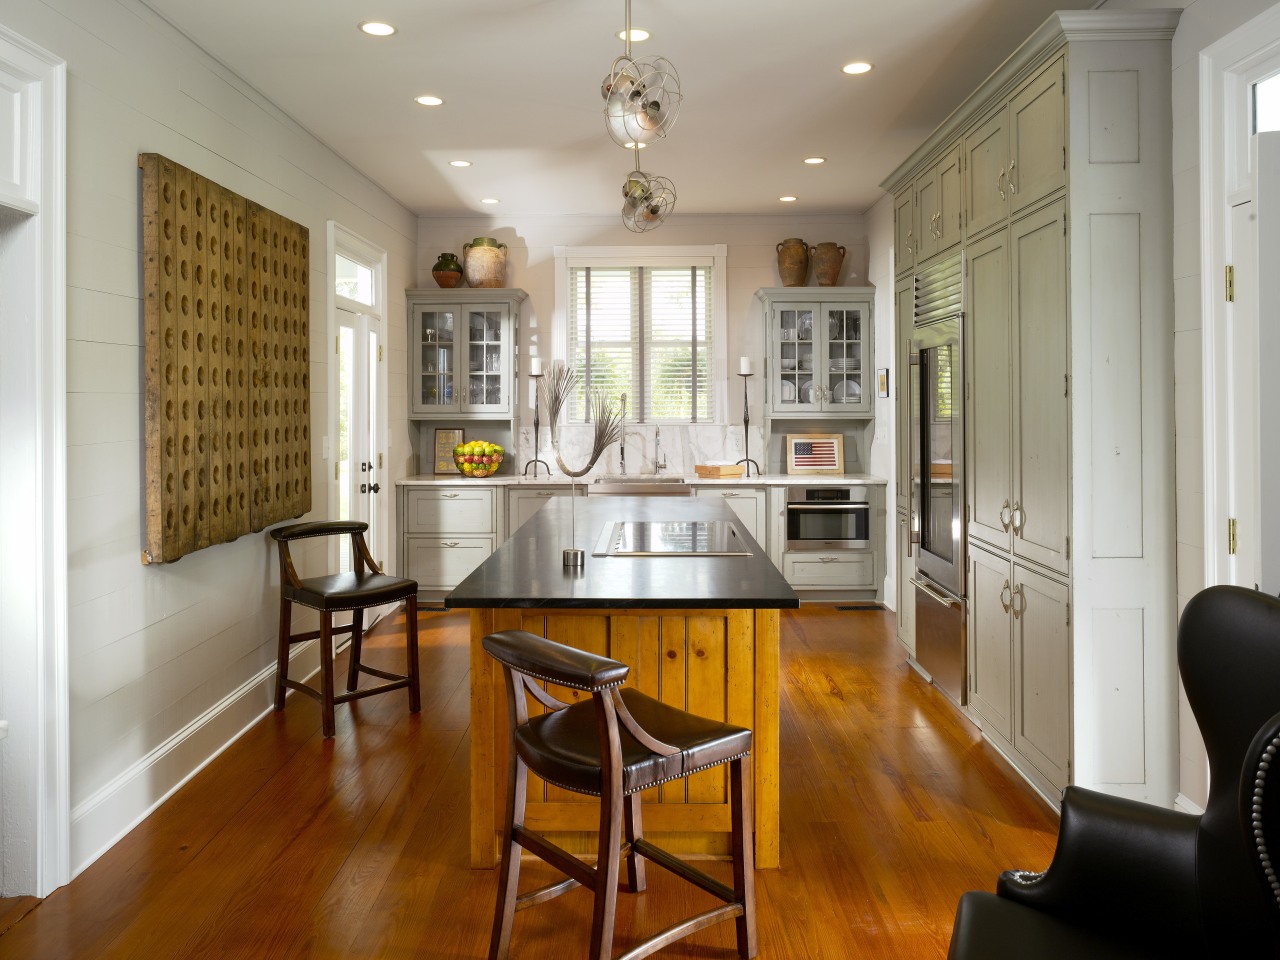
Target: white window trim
point(715, 256)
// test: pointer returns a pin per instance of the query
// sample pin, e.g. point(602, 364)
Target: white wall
point(169, 662)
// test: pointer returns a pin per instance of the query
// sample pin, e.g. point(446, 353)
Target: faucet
point(659, 458)
point(622, 438)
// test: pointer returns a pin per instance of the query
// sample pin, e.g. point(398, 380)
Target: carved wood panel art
point(228, 380)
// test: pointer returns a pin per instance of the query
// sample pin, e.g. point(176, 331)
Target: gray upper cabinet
point(1037, 138)
point(462, 352)
point(986, 150)
point(904, 231)
point(819, 351)
point(939, 213)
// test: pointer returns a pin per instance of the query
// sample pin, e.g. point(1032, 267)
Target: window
point(650, 326)
point(353, 280)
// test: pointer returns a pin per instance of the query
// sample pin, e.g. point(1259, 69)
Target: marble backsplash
point(683, 446)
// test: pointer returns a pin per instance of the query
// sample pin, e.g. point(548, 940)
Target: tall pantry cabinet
point(1066, 217)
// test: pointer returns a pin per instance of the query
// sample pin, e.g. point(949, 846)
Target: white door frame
point(34, 772)
point(1228, 68)
point(354, 247)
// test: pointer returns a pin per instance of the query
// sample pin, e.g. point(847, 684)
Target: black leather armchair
point(1131, 880)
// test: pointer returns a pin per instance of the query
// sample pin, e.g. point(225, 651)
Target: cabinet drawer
point(829, 569)
point(441, 563)
point(449, 510)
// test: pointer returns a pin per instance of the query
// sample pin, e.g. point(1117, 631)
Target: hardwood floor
point(289, 846)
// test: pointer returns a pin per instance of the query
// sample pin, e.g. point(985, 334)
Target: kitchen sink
point(642, 478)
point(639, 486)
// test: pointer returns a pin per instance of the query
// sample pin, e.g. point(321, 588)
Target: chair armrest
point(1120, 866)
point(544, 659)
point(318, 528)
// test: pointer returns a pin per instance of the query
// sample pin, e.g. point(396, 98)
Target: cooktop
point(671, 538)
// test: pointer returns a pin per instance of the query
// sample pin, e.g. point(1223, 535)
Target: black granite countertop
point(528, 569)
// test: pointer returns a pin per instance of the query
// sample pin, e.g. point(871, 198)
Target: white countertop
point(755, 480)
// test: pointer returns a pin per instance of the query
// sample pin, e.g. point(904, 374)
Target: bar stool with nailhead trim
point(613, 746)
point(355, 591)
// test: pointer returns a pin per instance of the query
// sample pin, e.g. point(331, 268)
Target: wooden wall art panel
point(228, 380)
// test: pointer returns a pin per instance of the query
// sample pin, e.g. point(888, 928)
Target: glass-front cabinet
point(462, 351)
point(819, 350)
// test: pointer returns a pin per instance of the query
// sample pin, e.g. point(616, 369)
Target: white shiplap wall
point(169, 662)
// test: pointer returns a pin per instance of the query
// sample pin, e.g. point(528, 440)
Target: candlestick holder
point(746, 422)
point(537, 442)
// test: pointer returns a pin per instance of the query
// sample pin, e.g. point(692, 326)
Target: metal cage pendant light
point(646, 199)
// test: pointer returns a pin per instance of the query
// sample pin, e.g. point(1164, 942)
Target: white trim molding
point(35, 789)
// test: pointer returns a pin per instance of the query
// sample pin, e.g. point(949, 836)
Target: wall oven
point(828, 518)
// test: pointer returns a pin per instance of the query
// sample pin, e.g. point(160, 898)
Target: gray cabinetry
point(524, 501)
point(819, 351)
point(445, 533)
point(904, 231)
point(1037, 138)
point(462, 352)
point(938, 207)
point(749, 503)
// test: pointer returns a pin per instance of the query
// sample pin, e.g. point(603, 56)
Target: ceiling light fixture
point(376, 28)
point(787, 199)
point(815, 160)
point(489, 200)
point(641, 102)
point(459, 163)
point(859, 66)
point(427, 100)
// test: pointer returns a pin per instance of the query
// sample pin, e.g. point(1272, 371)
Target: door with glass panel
point(358, 462)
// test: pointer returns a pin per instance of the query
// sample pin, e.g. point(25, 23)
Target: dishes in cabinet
point(787, 390)
point(847, 391)
point(806, 392)
point(788, 363)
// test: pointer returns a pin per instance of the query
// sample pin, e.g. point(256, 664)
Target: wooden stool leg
point(357, 639)
point(634, 830)
point(282, 655)
point(509, 877)
point(411, 642)
point(611, 803)
point(744, 858)
point(326, 673)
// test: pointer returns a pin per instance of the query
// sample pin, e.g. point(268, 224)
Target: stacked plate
point(846, 364)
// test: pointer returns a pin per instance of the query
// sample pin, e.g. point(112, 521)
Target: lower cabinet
point(836, 569)
point(1020, 664)
point(524, 501)
point(906, 592)
point(749, 505)
point(446, 532)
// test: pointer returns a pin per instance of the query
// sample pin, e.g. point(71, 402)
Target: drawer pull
point(449, 543)
point(828, 559)
point(450, 496)
point(727, 495)
point(546, 493)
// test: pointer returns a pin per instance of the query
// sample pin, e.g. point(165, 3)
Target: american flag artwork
point(814, 454)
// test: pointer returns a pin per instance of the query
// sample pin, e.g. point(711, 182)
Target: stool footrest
point(370, 691)
point(684, 870)
point(678, 931)
point(303, 688)
point(375, 672)
point(558, 857)
point(543, 894)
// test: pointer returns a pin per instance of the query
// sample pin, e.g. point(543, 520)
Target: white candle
point(535, 366)
point(744, 367)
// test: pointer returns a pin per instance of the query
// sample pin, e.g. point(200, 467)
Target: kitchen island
point(699, 631)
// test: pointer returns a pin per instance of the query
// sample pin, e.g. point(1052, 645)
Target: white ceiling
point(762, 88)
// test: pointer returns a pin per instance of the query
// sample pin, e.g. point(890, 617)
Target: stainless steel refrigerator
point(937, 476)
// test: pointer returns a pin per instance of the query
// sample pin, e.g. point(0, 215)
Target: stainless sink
point(639, 486)
point(642, 478)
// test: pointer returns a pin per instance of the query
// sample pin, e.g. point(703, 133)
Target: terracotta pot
point(827, 258)
point(447, 271)
point(793, 262)
point(485, 262)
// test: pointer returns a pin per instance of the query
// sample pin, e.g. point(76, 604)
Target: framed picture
point(446, 440)
point(882, 381)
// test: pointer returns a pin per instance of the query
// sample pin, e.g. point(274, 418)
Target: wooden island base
point(721, 664)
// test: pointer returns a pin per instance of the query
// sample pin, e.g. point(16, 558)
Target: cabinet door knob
point(1003, 602)
point(1017, 518)
point(1013, 187)
point(1018, 602)
point(999, 185)
point(1006, 514)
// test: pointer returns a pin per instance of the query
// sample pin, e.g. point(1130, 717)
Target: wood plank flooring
point(293, 847)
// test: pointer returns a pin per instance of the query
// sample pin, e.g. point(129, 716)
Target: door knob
point(374, 488)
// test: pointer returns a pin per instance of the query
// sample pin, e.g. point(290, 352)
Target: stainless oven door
point(937, 456)
point(844, 525)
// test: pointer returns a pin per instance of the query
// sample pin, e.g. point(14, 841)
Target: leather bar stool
point(354, 591)
point(613, 746)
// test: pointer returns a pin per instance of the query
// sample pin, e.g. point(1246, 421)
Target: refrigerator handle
point(941, 598)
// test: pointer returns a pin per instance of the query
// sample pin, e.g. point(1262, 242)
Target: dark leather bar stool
point(366, 586)
point(614, 746)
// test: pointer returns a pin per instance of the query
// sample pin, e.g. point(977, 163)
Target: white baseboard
point(101, 820)
point(1180, 802)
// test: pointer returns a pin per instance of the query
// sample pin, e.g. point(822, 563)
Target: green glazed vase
point(447, 271)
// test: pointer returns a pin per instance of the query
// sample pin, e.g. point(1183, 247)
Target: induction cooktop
point(671, 538)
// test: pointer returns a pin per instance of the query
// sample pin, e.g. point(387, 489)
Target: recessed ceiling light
point(787, 199)
point(636, 35)
point(815, 160)
point(858, 67)
point(459, 163)
point(427, 100)
point(632, 145)
point(489, 200)
point(376, 28)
